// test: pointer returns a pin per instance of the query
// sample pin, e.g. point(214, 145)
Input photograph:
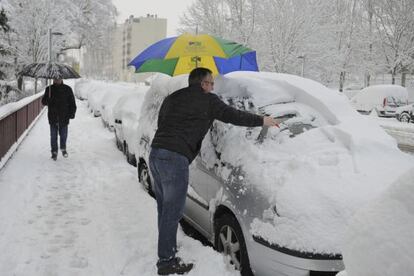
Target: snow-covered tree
point(394, 21)
point(207, 16)
point(81, 23)
point(4, 45)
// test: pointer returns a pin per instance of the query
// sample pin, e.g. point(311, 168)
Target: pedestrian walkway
point(82, 215)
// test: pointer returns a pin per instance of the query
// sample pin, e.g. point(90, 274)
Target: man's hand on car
point(269, 121)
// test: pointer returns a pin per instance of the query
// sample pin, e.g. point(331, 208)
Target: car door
point(197, 203)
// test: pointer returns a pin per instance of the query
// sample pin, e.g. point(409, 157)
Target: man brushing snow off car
point(184, 119)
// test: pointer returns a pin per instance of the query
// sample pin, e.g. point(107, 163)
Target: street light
point(303, 57)
point(50, 43)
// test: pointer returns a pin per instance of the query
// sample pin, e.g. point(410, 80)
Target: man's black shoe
point(64, 153)
point(54, 155)
point(176, 267)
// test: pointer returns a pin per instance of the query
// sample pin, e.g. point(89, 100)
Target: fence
point(13, 124)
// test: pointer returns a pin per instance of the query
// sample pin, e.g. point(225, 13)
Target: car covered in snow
point(126, 114)
point(405, 113)
point(382, 99)
point(277, 200)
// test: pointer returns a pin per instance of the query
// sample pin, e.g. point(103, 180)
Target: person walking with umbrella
point(184, 119)
point(61, 108)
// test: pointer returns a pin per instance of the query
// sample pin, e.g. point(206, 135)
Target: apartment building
point(130, 39)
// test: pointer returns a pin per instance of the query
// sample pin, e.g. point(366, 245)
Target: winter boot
point(64, 153)
point(175, 267)
point(54, 155)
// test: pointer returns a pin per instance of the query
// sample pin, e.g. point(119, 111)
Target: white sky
point(172, 10)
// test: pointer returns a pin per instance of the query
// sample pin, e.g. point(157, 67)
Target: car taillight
point(384, 102)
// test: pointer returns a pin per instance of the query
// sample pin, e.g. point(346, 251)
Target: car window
point(296, 118)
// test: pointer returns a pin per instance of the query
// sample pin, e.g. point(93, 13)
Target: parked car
point(277, 200)
point(107, 104)
point(382, 99)
point(405, 113)
point(126, 114)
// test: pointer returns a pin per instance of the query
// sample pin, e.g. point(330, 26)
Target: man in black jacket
point(185, 117)
point(61, 107)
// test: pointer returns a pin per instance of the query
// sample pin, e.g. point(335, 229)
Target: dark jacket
point(186, 115)
point(61, 104)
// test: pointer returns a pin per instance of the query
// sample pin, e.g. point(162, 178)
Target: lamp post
point(50, 33)
point(49, 59)
point(303, 57)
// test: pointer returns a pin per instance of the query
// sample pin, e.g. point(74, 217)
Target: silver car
point(224, 202)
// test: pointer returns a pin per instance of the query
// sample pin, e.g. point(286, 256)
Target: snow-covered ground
point(402, 132)
point(85, 215)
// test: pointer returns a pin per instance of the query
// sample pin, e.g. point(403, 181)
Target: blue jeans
point(63, 133)
point(170, 174)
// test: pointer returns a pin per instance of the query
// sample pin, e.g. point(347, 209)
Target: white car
point(405, 113)
point(382, 99)
point(126, 114)
point(277, 200)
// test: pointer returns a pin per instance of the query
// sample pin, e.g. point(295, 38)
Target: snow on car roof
point(375, 94)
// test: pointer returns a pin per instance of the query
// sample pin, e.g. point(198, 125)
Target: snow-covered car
point(405, 113)
point(126, 114)
point(383, 99)
point(108, 102)
point(95, 96)
point(277, 200)
point(81, 89)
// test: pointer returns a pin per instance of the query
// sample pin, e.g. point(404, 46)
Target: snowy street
point(84, 215)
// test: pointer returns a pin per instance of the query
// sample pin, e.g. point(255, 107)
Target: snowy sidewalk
point(84, 215)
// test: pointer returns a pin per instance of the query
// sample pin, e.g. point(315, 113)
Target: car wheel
point(144, 177)
point(131, 159)
point(230, 241)
point(405, 118)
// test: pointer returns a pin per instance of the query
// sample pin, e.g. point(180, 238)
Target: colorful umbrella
point(181, 54)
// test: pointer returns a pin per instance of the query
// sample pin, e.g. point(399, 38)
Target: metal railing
point(13, 124)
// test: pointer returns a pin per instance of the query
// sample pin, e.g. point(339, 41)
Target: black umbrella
point(49, 71)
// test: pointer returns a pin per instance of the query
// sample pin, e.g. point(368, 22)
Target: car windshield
point(295, 118)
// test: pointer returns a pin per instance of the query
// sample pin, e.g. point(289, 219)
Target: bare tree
point(395, 25)
point(207, 16)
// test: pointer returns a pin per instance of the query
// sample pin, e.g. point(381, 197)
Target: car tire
point(144, 177)
point(404, 118)
point(230, 241)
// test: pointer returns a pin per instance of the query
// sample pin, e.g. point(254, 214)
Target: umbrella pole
point(49, 85)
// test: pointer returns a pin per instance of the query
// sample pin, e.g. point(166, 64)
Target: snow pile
point(380, 237)
point(372, 96)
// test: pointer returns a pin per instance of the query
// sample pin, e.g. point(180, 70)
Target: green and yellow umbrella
point(181, 54)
